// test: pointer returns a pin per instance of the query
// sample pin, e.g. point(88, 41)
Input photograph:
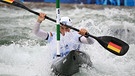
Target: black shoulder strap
point(80, 38)
point(47, 36)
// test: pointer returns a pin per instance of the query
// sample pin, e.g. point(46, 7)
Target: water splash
point(28, 55)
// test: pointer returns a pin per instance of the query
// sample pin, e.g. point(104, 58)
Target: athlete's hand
point(41, 17)
point(83, 32)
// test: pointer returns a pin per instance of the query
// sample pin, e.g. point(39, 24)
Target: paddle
point(19, 4)
point(112, 44)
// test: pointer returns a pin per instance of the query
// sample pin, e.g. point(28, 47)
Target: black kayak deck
point(69, 65)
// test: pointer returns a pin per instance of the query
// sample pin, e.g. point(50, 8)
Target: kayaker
point(70, 40)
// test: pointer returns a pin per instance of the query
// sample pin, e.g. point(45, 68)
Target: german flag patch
point(9, 1)
point(114, 47)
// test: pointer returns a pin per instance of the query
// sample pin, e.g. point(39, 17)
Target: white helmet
point(66, 21)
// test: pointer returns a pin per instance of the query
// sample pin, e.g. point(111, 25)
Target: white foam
point(29, 58)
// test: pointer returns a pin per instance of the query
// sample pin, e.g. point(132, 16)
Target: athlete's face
point(64, 29)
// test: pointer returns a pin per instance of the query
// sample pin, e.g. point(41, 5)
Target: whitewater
point(24, 54)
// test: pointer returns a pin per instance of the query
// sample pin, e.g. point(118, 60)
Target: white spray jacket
point(70, 41)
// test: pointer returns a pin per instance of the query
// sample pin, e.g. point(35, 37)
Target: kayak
point(69, 65)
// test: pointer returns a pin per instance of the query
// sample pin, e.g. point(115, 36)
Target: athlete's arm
point(37, 31)
point(88, 40)
point(84, 39)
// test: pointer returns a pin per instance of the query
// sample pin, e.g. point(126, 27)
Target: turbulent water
point(24, 54)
